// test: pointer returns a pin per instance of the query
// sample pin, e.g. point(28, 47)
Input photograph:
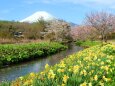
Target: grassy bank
point(87, 43)
point(93, 66)
point(15, 53)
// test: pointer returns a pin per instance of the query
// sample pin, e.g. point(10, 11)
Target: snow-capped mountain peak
point(36, 16)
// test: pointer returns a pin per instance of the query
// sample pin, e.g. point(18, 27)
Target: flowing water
point(15, 71)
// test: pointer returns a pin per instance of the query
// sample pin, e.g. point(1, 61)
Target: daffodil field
point(93, 66)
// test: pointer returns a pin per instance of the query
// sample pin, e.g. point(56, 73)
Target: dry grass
point(14, 41)
point(112, 41)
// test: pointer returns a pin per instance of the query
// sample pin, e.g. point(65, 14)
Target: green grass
point(87, 43)
point(16, 53)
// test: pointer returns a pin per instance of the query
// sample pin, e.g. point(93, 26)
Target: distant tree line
point(55, 30)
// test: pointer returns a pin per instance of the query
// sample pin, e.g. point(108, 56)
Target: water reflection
point(13, 72)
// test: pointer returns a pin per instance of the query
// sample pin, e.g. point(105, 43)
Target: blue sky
point(69, 10)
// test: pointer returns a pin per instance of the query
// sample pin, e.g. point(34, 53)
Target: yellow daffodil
point(62, 64)
point(106, 79)
point(51, 74)
point(90, 84)
point(65, 78)
point(46, 66)
point(83, 72)
point(32, 74)
point(101, 84)
point(21, 78)
point(60, 70)
point(83, 84)
point(76, 69)
point(95, 77)
point(63, 84)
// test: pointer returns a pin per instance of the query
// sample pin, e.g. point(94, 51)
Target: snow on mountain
point(36, 16)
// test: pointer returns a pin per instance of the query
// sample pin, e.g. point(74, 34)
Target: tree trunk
point(106, 38)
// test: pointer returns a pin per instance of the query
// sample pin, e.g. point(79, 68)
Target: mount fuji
point(37, 15)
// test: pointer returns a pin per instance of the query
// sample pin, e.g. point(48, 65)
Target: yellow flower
point(51, 74)
point(46, 66)
point(83, 72)
point(65, 78)
point(62, 64)
point(99, 59)
point(28, 82)
point(92, 71)
point(95, 77)
point(60, 70)
point(109, 61)
point(69, 69)
point(42, 73)
point(90, 84)
point(76, 69)
point(95, 57)
point(106, 68)
point(102, 63)
point(83, 84)
point(103, 77)
point(32, 74)
point(106, 79)
point(63, 85)
point(21, 78)
point(101, 84)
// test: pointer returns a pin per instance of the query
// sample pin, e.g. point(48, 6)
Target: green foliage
point(12, 53)
point(5, 84)
point(79, 42)
point(87, 43)
point(109, 49)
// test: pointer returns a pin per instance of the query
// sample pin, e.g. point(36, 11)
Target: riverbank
point(87, 43)
point(93, 67)
point(16, 53)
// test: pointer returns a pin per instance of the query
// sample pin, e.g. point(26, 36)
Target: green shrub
point(78, 42)
point(12, 53)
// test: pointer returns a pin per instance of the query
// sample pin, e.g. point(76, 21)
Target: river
point(12, 72)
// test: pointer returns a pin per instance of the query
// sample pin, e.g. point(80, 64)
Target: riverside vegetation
point(93, 66)
point(15, 53)
point(87, 43)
